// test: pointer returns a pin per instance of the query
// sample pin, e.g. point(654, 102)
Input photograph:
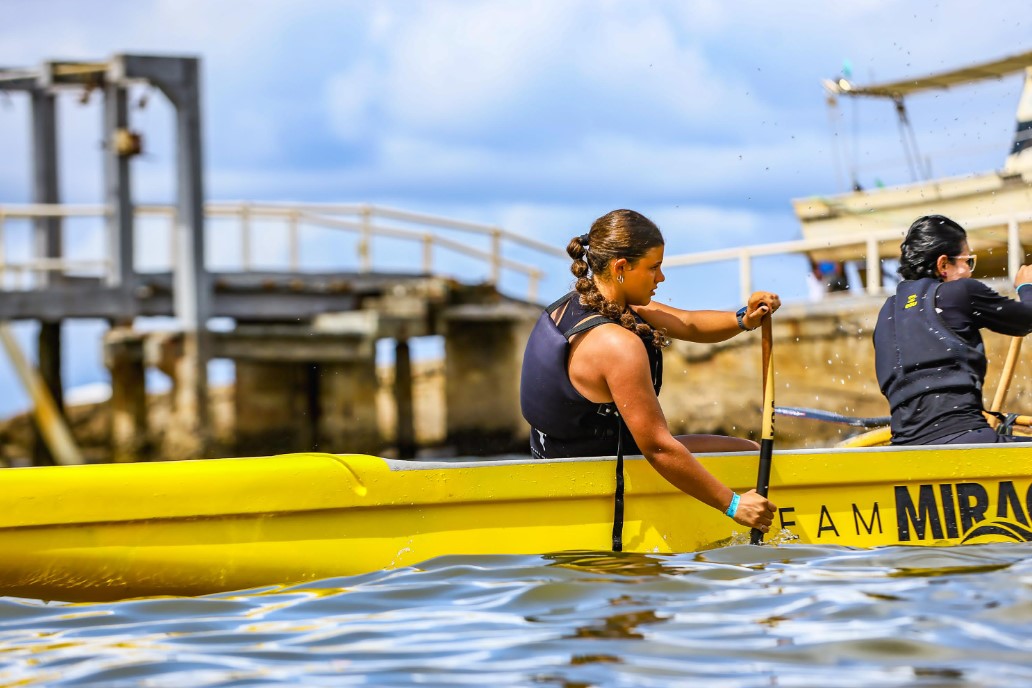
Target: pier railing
point(370, 222)
point(1004, 230)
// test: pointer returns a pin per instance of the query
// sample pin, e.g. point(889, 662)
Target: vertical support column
point(192, 297)
point(348, 419)
point(483, 358)
point(118, 197)
point(272, 407)
point(47, 234)
point(47, 244)
point(124, 358)
point(49, 343)
point(405, 426)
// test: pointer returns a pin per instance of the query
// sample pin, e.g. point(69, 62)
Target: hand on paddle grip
point(761, 304)
point(1023, 276)
point(755, 511)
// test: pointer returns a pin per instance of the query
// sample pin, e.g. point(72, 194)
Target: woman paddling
point(593, 364)
point(928, 347)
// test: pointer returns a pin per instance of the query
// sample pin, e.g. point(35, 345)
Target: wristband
point(1023, 284)
point(732, 508)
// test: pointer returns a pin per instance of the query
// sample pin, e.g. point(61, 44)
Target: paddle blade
point(762, 481)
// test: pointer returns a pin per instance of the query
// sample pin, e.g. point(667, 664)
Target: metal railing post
point(245, 236)
point(874, 277)
point(3, 252)
point(365, 253)
point(173, 244)
point(496, 255)
point(744, 276)
point(1015, 252)
point(533, 282)
point(293, 240)
point(428, 253)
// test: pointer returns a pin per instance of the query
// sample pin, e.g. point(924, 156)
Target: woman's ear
point(940, 265)
point(619, 265)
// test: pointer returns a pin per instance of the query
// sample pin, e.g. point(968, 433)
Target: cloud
point(527, 76)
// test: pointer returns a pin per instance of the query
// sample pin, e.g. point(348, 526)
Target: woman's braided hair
point(617, 234)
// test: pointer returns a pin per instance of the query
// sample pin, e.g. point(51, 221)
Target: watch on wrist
point(741, 323)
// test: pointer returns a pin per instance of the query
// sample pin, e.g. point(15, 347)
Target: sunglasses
point(970, 260)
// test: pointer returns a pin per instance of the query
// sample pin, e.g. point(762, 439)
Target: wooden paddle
point(767, 431)
point(1005, 378)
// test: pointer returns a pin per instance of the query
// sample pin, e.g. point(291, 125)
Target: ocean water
point(788, 615)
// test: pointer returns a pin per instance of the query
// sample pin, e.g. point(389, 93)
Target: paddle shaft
point(767, 432)
point(831, 417)
point(1005, 378)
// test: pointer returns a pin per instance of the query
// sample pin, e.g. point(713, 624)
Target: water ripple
point(742, 616)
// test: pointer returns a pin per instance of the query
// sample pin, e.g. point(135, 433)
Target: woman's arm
point(626, 374)
point(988, 308)
point(707, 326)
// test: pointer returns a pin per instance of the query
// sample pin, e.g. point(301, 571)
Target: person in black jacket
point(592, 368)
point(929, 354)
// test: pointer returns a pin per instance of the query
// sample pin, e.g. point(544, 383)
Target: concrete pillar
point(348, 422)
point(124, 358)
point(483, 356)
point(272, 408)
point(405, 426)
point(49, 353)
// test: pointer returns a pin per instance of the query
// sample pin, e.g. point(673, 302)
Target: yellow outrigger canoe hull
point(109, 532)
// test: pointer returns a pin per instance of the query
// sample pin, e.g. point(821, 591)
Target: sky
point(537, 117)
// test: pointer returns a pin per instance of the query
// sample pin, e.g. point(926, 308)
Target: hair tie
point(584, 239)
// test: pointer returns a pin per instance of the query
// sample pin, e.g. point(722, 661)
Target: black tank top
point(564, 423)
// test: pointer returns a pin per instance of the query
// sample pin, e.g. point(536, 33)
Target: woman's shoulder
point(966, 288)
point(609, 340)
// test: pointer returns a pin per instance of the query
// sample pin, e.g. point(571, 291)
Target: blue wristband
point(1023, 284)
point(732, 508)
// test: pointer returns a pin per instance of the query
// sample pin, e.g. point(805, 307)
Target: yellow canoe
point(108, 532)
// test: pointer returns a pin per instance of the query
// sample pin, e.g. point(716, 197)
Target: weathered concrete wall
point(124, 358)
point(347, 403)
point(483, 359)
point(272, 409)
point(823, 359)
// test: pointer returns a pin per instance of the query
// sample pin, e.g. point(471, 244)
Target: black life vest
point(564, 423)
point(916, 353)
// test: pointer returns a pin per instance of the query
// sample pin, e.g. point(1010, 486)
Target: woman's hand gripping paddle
point(767, 432)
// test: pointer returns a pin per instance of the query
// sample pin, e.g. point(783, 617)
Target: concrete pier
point(124, 359)
point(483, 358)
